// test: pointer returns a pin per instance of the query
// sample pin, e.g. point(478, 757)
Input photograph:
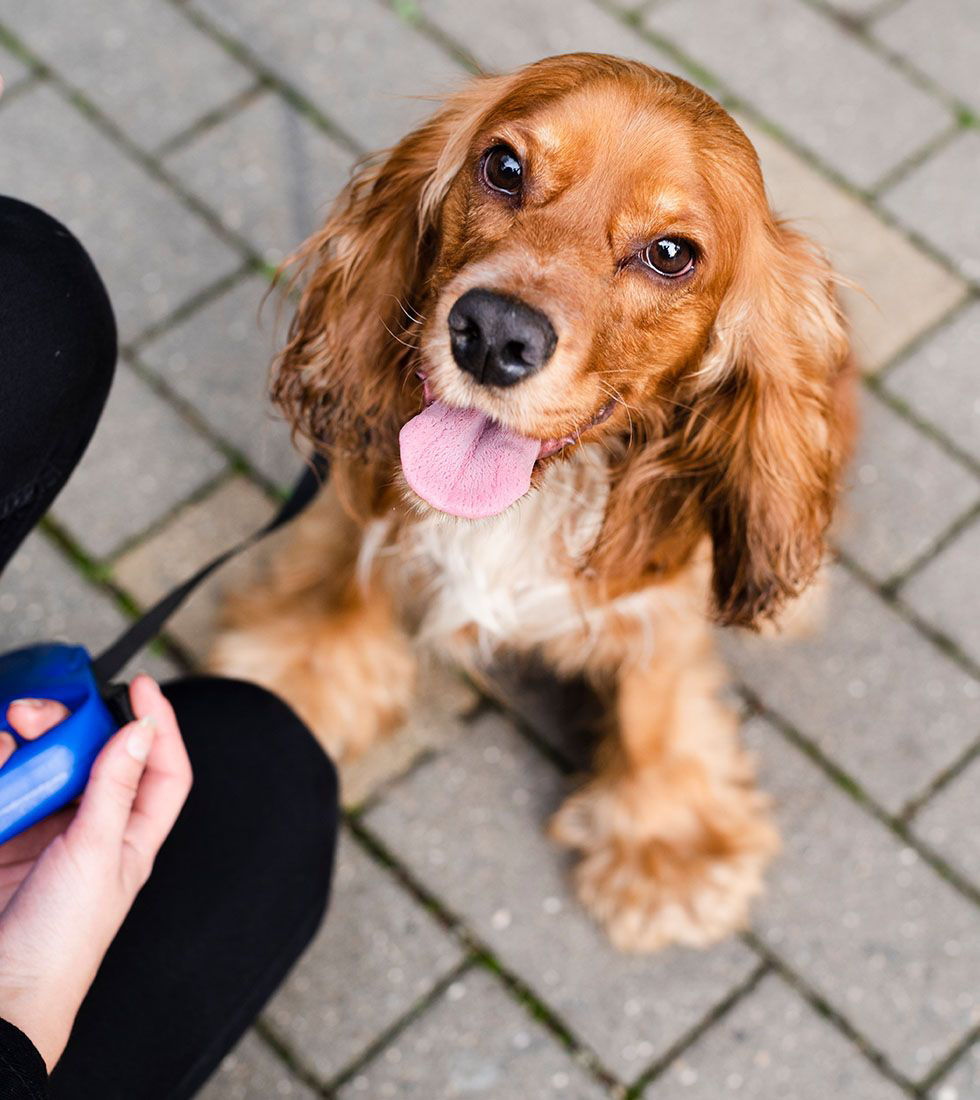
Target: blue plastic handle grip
point(47, 773)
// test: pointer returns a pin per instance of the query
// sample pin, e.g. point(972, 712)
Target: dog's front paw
point(680, 879)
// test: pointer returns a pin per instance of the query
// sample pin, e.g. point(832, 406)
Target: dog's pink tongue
point(463, 463)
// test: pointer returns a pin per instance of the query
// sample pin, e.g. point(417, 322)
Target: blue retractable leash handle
point(47, 773)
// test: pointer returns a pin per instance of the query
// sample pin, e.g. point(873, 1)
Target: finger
point(167, 780)
point(107, 802)
point(7, 746)
point(32, 717)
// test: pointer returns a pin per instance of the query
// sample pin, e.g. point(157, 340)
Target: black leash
point(149, 625)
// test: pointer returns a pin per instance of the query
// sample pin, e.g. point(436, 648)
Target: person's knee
point(246, 744)
point(57, 320)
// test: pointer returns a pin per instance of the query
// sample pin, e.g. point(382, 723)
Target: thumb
point(107, 803)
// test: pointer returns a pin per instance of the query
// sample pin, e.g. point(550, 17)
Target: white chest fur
point(510, 577)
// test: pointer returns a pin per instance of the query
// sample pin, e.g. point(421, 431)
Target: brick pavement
point(191, 144)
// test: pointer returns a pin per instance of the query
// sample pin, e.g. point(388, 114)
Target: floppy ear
point(343, 374)
point(748, 444)
point(772, 425)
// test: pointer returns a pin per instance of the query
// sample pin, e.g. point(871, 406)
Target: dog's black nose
point(499, 340)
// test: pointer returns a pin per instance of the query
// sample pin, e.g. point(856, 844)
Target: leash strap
point(149, 625)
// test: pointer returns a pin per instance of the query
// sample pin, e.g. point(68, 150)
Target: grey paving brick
point(375, 957)
point(518, 33)
point(469, 825)
point(195, 535)
point(253, 1072)
point(862, 919)
point(268, 173)
point(810, 77)
point(857, 9)
point(897, 290)
point(939, 380)
point(12, 69)
point(868, 689)
point(945, 591)
point(950, 822)
point(152, 252)
point(905, 491)
point(772, 1045)
point(936, 200)
point(217, 359)
point(142, 462)
point(476, 1041)
point(143, 64)
point(44, 598)
point(940, 38)
point(362, 65)
point(963, 1081)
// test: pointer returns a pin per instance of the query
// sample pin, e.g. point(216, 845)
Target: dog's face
point(582, 251)
point(582, 256)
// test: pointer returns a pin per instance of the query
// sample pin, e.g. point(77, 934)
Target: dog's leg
point(307, 630)
point(673, 834)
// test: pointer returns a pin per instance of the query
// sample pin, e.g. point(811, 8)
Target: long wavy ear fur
point(754, 443)
point(345, 371)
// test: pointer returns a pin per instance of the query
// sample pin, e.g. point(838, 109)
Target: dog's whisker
point(394, 336)
point(408, 309)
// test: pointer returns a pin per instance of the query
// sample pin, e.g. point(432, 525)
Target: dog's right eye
point(502, 170)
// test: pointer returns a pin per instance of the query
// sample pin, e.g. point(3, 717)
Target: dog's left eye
point(669, 256)
point(502, 169)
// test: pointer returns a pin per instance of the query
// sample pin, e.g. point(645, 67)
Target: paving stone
point(772, 1044)
point(375, 957)
point(904, 492)
point(469, 825)
point(940, 38)
point(862, 919)
point(950, 822)
point(144, 65)
point(899, 291)
point(937, 201)
point(811, 78)
point(519, 33)
point(268, 173)
point(44, 598)
point(476, 1041)
point(945, 591)
point(195, 535)
point(963, 1081)
point(217, 359)
point(438, 716)
point(153, 253)
point(253, 1072)
point(363, 66)
point(857, 9)
point(840, 687)
point(939, 380)
point(12, 69)
point(142, 462)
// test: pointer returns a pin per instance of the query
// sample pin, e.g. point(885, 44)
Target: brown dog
point(582, 392)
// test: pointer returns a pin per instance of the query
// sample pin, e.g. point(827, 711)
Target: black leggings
point(242, 882)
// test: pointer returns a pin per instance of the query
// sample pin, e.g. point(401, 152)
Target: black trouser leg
point(57, 354)
point(241, 883)
point(237, 892)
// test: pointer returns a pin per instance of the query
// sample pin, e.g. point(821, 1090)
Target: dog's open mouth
point(466, 464)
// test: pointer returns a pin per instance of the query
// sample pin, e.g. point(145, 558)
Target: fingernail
point(36, 703)
point(140, 739)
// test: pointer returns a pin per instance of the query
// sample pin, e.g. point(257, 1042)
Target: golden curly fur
point(705, 495)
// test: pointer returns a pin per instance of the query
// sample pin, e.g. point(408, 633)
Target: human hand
point(67, 884)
